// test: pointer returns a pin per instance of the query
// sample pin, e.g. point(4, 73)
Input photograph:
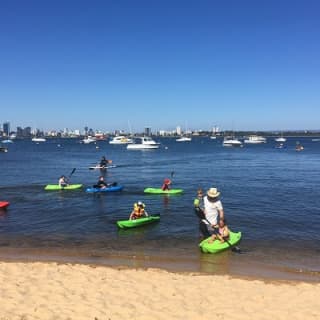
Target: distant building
point(147, 131)
point(178, 131)
point(6, 128)
point(23, 133)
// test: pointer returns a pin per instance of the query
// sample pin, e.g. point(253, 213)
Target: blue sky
point(236, 64)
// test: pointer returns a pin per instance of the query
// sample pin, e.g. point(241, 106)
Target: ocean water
point(271, 195)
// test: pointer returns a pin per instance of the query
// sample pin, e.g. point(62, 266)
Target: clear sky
point(236, 64)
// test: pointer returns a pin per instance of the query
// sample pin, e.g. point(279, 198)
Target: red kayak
point(4, 204)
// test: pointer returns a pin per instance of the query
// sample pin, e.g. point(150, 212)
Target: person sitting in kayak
point(101, 184)
point(166, 184)
point(222, 233)
point(138, 211)
point(63, 182)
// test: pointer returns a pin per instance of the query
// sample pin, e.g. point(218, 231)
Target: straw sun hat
point(213, 193)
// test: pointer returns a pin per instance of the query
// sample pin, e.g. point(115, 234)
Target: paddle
point(72, 172)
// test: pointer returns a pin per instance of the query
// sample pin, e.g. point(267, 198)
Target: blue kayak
point(108, 189)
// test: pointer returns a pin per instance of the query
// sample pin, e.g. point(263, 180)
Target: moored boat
point(89, 139)
point(144, 143)
point(254, 139)
point(231, 142)
point(38, 139)
point(184, 139)
point(121, 140)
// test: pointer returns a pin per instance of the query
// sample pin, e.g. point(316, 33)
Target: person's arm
point(131, 215)
point(221, 213)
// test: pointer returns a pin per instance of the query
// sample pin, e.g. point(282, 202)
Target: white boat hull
point(142, 146)
point(280, 139)
point(183, 139)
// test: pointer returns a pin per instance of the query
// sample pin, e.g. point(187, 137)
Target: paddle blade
point(171, 174)
point(236, 250)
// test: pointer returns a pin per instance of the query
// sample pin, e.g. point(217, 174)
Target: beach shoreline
point(228, 264)
point(41, 290)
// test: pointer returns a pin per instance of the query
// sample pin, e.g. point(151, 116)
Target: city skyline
point(241, 65)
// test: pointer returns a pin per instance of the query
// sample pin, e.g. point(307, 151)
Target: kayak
point(103, 168)
point(217, 246)
point(160, 191)
point(57, 187)
point(137, 222)
point(4, 204)
point(108, 189)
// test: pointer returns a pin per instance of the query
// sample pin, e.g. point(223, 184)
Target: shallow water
point(270, 194)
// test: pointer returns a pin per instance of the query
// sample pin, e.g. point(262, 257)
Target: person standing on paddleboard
point(104, 162)
point(212, 210)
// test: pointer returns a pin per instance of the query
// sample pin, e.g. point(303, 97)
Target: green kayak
point(160, 191)
point(217, 246)
point(57, 187)
point(137, 222)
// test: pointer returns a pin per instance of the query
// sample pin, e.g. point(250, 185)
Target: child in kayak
point(138, 211)
point(101, 184)
point(166, 184)
point(63, 181)
point(222, 233)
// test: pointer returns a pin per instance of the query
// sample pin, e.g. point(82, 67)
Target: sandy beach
point(37, 290)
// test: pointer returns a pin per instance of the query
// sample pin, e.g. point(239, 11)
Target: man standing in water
point(212, 210)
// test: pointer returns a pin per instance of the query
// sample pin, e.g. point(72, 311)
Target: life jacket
point(138, 210)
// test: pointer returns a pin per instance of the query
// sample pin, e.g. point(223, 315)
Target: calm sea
point(271, 195)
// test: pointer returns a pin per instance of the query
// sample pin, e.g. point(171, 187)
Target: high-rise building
point(178, 131)
point(147, 131)
point(6, 128)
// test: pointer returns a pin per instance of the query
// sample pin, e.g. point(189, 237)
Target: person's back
point(166, 184)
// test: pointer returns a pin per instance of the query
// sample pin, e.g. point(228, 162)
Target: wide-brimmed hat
point(213, 193)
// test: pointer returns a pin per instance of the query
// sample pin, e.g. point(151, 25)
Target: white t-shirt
point(211, 210)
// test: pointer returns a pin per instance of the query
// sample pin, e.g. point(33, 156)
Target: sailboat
point(184, 138)
point(280, 139)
